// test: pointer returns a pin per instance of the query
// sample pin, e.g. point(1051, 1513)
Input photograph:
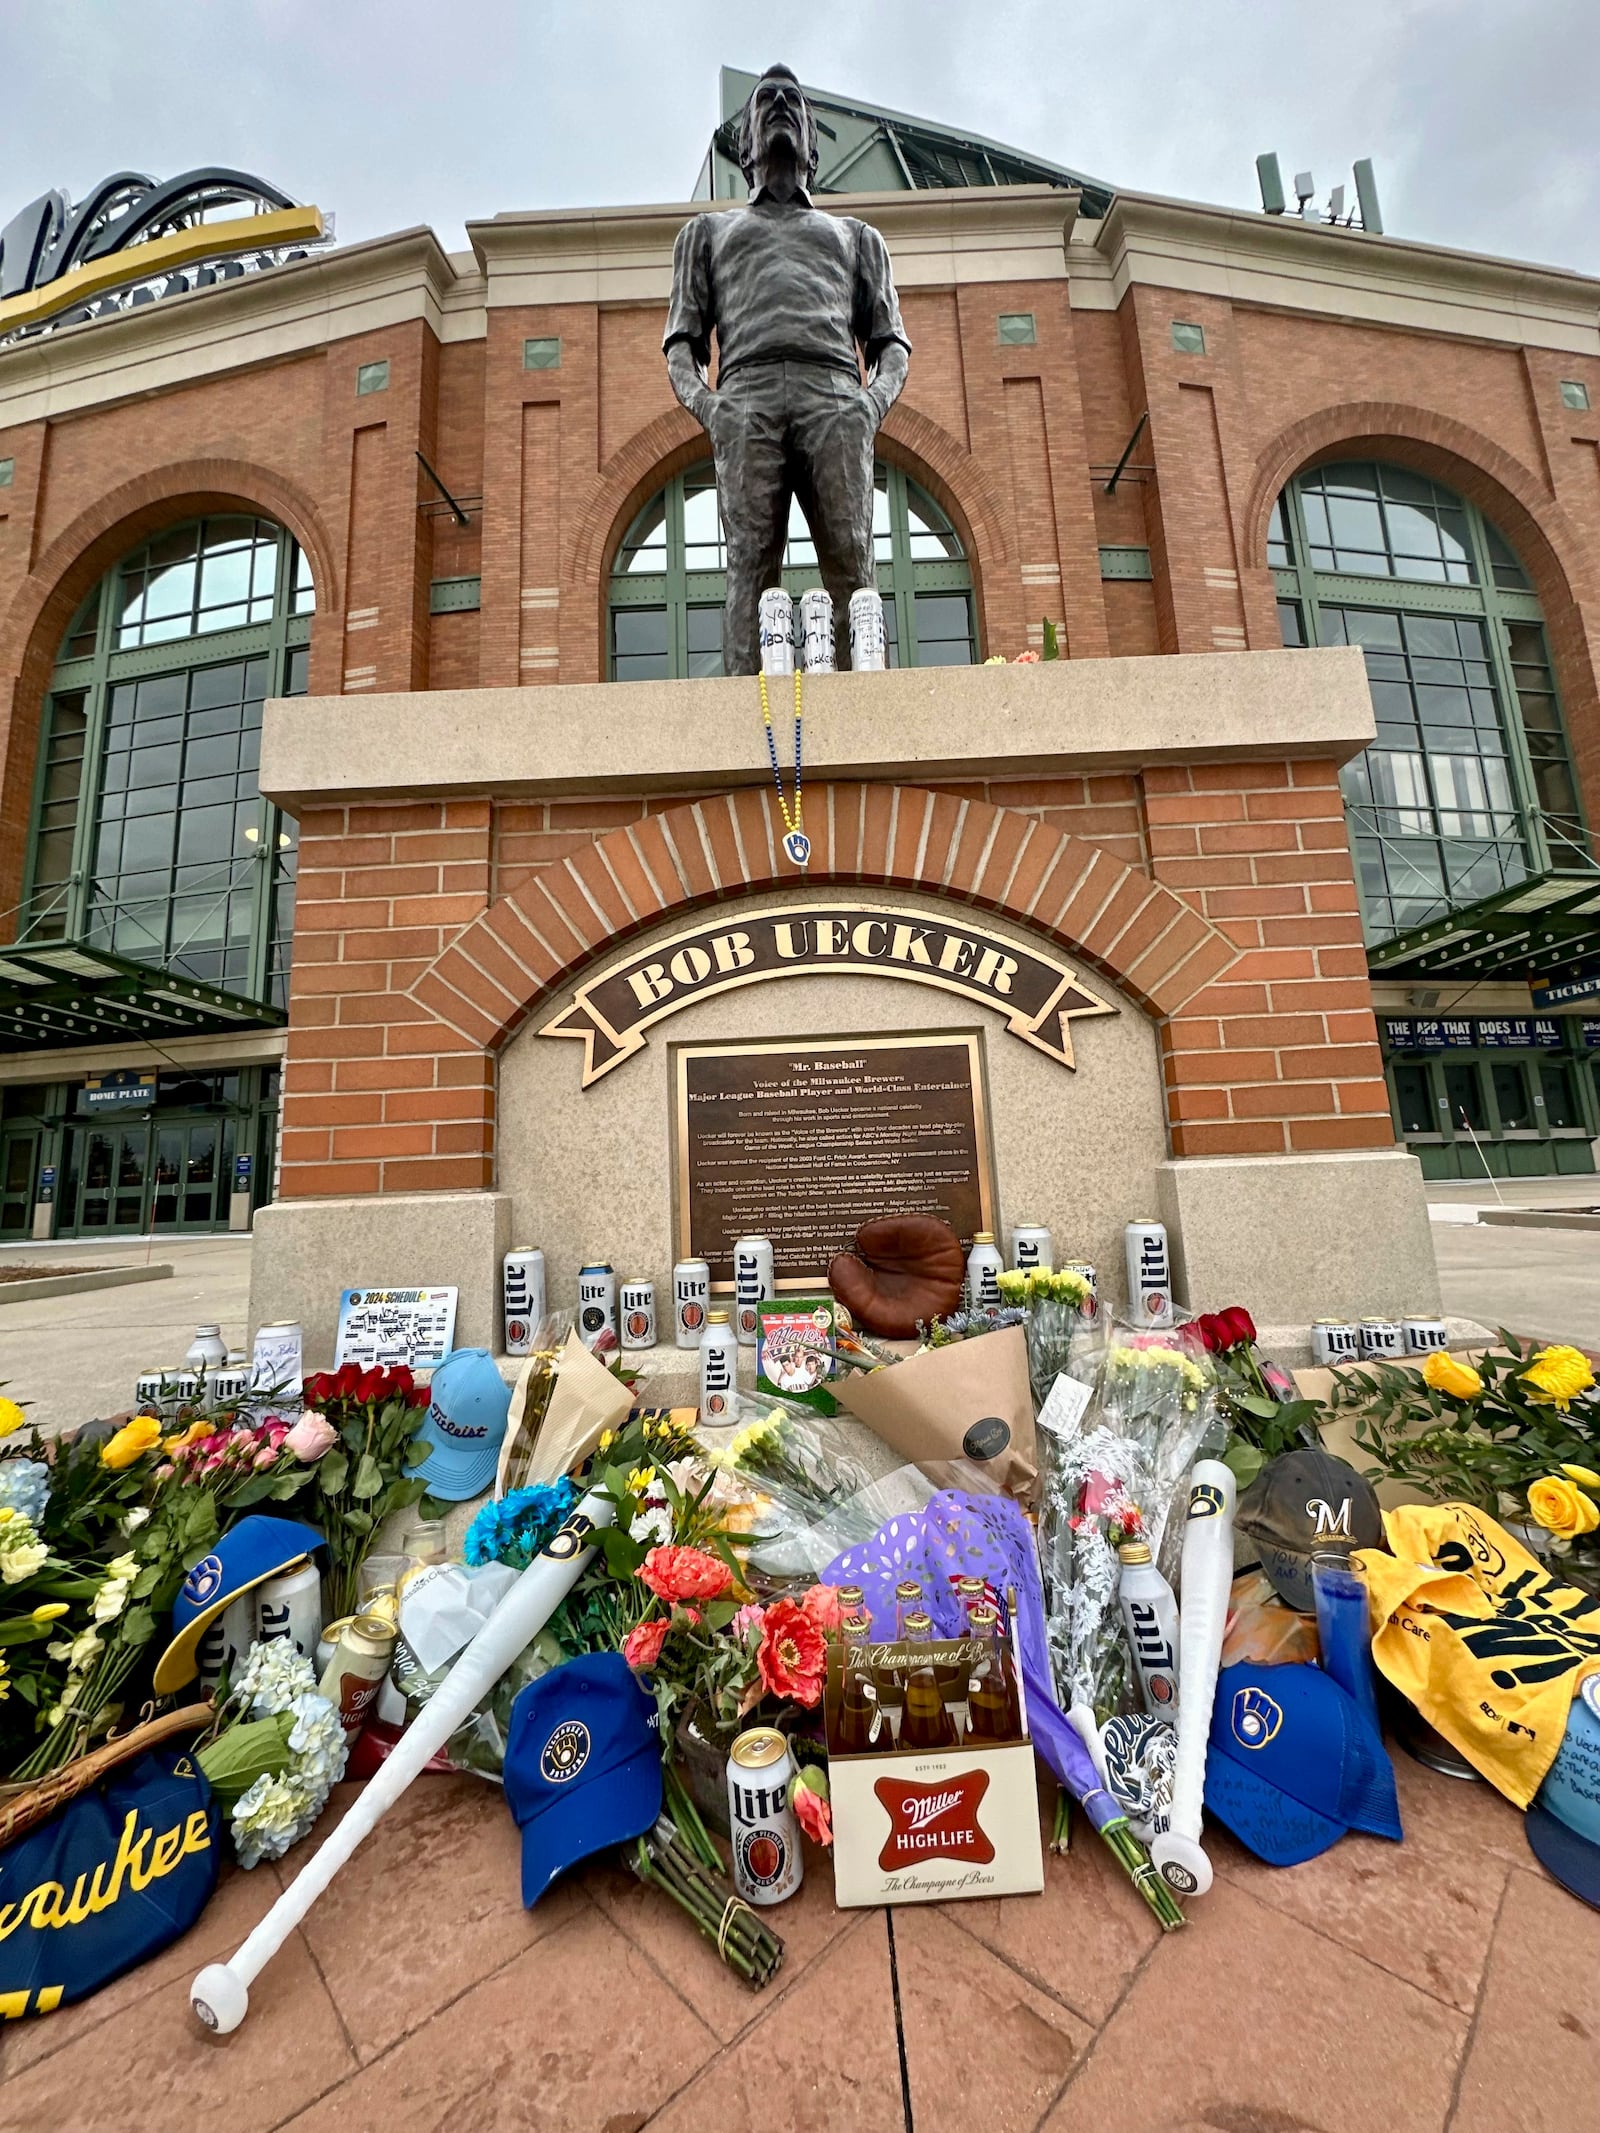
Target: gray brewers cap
point(1299, 1503)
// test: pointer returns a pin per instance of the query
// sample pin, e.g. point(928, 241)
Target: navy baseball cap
point(1563, 1818)
point(256, 1549)
point(583, 1765)
point(1294, 1762)
point(107, 1882)
point(468, 1401)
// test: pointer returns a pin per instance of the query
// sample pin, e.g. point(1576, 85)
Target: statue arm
point(688, 381)
point(889, 375)
point(687, 342)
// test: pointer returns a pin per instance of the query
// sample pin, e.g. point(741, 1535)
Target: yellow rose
point(1445, 1374)
point(1584, 1474)
point(1558, 1375)
point(131, 1442)
point(1561, 1509)
point(11, 1417)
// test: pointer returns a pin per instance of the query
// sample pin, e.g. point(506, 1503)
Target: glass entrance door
point(167, 1174)
point(19, 1151)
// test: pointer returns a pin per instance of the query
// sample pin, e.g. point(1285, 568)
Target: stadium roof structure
point(866, 148)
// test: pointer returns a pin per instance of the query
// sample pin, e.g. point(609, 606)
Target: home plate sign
point(1039, 996)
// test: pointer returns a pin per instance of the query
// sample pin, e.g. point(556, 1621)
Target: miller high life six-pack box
point(913, 1825)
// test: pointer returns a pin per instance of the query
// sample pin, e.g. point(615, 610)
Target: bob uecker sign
point(1039, 996)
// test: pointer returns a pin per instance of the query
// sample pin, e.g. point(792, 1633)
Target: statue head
point(777, 132)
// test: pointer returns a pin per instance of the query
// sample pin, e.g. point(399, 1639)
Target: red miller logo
point(933, 1821)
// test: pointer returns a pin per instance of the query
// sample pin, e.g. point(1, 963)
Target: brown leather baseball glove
point(904, 1271)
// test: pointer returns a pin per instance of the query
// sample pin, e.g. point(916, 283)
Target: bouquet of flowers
point(794, 1487)
point(1060, 1313)
point(1516, 1433)
point(367, 1421)
point(1255, 1398)
point(275, 1753)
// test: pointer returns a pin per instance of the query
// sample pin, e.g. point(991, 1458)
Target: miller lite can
point(869, 646)
point(597, 1307)
point(1031, 1247)
point(1335, 1341)
point(290, 1607)
point(1382, 1339)
point(1149, 1274)
point(522, 1294)
point(777, 631)
point(753, 1285)
point(1091, 1303)
point(638, 1314)
point(816, 630)
point(1425, 1336)
point(150, 1391)
point(224, 1644)
point(767, 1866)
point(691, 1298)
point(719, 1368)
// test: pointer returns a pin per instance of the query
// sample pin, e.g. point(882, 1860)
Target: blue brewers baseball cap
point(468, 1401)
point(583, 1765)
point(1563, 1819)
point(256, 1549)
point(1293, 1763)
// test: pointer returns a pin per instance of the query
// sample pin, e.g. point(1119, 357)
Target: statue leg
point(833, 428)
point(753, 496)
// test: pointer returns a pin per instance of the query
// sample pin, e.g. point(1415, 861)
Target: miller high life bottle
point(860, 1720)
point(993, 1713)
point(925, 1722)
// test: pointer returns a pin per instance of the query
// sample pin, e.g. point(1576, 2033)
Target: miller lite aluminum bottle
point(984, 1268)
point(225, 1642)
point(719, 1368)
point(597, 1306)
point(1085, 1267)
point(1031, 1247)
point(691, 1297)
point(753, 1285)
point(816, 630)
point(523, 1294)
point(869, 647)
point(767, 1865)
point(1149, 1274)
point(777, 631)
point(1150, 1617)
point(638, 1314)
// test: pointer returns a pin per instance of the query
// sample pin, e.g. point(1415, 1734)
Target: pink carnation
point(748, 1618)
point(821, 1603)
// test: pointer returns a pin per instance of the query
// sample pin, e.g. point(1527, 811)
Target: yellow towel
point(1487, 1643)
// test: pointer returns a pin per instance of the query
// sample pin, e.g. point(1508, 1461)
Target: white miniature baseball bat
point(1205, 1577)
point(220, 1994)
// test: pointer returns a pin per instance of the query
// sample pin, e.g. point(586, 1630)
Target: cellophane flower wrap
point(1111, 1468)
point(1061, 1323)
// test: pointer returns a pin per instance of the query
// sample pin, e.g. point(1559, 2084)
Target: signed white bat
point(1205, 1578)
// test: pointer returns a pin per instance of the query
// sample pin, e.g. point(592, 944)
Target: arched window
point(669, 580)
point(1469, 785)
point(150, 837)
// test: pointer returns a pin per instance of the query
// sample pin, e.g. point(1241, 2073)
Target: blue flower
point(25, 1486)
point(517, 1527)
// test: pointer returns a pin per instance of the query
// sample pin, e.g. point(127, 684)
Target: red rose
point(643, 1647)
point(793, 1655)
point(1209, 1327)
point(317, 1390)
point(684, 1574)
point(1236, 1327)
point(401, 1378)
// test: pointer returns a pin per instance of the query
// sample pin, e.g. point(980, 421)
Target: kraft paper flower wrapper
point(585, 1399)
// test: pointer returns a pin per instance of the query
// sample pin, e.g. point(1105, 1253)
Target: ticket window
point(1415, 1101)
point(1513, 1098)
point(1563, 1106)
point(1463, 1088)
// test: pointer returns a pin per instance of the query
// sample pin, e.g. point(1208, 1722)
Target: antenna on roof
point(1365, 215)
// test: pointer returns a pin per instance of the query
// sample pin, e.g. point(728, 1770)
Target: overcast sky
point(1480, 115)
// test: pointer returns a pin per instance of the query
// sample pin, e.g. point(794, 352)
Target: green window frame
point(670, 578)
point(1469, 785)
point(149, 835)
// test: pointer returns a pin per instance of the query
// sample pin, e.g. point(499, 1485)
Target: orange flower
point(643, 1647)
point(684, 1574)
point(793, 1656)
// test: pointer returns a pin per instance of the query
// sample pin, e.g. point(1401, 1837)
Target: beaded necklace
point(796, 844)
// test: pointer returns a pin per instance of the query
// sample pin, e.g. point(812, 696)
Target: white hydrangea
point(272, 1677)
point(269, 1817)
point(318, 1743)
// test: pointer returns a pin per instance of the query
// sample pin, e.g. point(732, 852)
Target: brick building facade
point(458, 446)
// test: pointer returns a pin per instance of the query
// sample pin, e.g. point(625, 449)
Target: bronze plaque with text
point(804, 1141)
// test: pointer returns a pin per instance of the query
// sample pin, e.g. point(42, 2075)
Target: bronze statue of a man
point(791, 293)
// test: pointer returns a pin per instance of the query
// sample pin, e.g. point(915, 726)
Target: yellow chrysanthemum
point(1558, 1375)
point(1445, 1374)
point(1585, 1475)
point(11, 1417)
point(131, 1442)
point(1561, 1509)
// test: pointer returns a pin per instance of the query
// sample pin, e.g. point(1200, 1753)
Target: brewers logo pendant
point(797, 846)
